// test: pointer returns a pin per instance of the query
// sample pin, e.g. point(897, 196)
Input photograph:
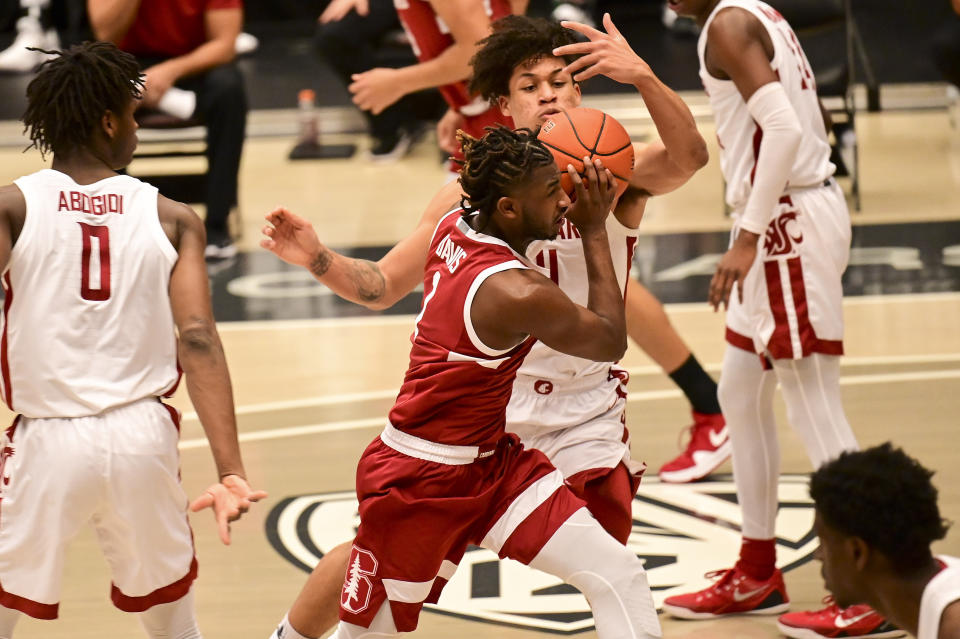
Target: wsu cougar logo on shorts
point(779, 240)
point(355, 596)
point(680, 532)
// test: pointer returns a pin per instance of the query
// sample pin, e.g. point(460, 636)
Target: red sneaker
point(709, 447)
point(735, 593)
point(833, 621)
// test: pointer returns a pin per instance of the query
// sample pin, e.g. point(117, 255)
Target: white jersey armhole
point(618, 228)
point(468, 303)
point(152, 194)
point(28, 188)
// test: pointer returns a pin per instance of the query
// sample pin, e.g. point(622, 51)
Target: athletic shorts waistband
point(432, 451)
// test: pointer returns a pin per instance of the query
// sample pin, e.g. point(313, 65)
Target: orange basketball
point(582, 132)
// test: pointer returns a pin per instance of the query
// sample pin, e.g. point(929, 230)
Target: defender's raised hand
point(604, 54)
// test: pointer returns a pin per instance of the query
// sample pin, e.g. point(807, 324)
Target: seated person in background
point(876, 516)
point(349, 37)
point(444, 36)
point(190, 44)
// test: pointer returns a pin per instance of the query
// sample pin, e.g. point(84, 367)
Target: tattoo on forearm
point(321, 262)
point(368, 279)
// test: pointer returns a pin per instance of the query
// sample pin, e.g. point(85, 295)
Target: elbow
point(699, 157)
point(197, 341)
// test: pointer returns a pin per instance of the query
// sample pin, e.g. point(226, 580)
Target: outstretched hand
point(603, 54)
point(290, 237)
point(229, 498)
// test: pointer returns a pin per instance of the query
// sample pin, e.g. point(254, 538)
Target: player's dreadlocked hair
point(73, 90)
point(885, 498)
point(496, 163)
point(515, 41)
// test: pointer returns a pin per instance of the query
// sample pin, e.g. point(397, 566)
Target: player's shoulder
point(733, 25)
point(950, 621)
point(177, 219)
point(11, 195)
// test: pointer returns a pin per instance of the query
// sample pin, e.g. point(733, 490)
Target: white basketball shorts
point(579, 424)
point(118, 471)
point(792, 296)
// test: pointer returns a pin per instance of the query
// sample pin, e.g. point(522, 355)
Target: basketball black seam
point(556, 148)
point(576, 133)
point(603, 123)
point(616, 151)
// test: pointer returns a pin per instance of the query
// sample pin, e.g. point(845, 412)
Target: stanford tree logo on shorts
point(680, 531)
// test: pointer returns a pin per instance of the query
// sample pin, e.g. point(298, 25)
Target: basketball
point(581, 132)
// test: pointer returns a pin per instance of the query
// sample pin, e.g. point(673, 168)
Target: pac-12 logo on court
point(680, 531)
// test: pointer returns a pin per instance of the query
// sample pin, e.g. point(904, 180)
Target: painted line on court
point(357, 424)
point(635, 371)
point(680, 307)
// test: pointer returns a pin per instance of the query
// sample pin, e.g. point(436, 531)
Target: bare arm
point(200, 353)
point(468, 22)
point(950, 619)
point(956, 6)
point(664, 165)
point(111, 19)
point(13, 212)
point(222, 26)
point(515, 303)
point(739, 47)
point(376, 285)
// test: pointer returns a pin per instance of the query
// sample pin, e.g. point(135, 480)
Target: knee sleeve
point(8, 619)
point(174, 620)
point(811, 390)
point(382, 627)
point(746, 398)
point(610, 576)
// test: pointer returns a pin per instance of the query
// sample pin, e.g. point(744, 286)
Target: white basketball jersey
point(941, 591)
point(562, 260)
point(740, 136)
point(87, 323)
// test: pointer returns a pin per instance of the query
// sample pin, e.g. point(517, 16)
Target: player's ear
point(504, 103)
point(508, 208)
point(108, 122)
point(859, 552)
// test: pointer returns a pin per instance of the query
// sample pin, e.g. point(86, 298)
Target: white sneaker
point(573, 13)
point(246, 43)
point(16, 58)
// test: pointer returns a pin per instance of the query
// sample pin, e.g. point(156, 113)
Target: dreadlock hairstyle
point(72, 91)
point(496, 163)
point(515, 41)
point(885, 498)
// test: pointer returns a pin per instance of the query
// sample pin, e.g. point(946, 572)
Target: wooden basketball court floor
point(312, 393)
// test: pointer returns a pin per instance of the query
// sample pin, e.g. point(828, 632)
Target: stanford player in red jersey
point(444, 473)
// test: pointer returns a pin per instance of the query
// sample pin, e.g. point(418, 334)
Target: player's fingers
point(257, 495)
point(740, 280)
point(223, 522)
point(610, 27)
point(577, 48)
point(203, 501)
point(585, 29)
point(579, 64)
point(268, 244)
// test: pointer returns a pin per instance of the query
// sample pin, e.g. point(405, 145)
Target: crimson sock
point(758, 558)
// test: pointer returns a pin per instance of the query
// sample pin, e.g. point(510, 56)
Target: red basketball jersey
point(456, 388)
point(430, 37)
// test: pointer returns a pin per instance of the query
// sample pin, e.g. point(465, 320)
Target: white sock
point(286, 631)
